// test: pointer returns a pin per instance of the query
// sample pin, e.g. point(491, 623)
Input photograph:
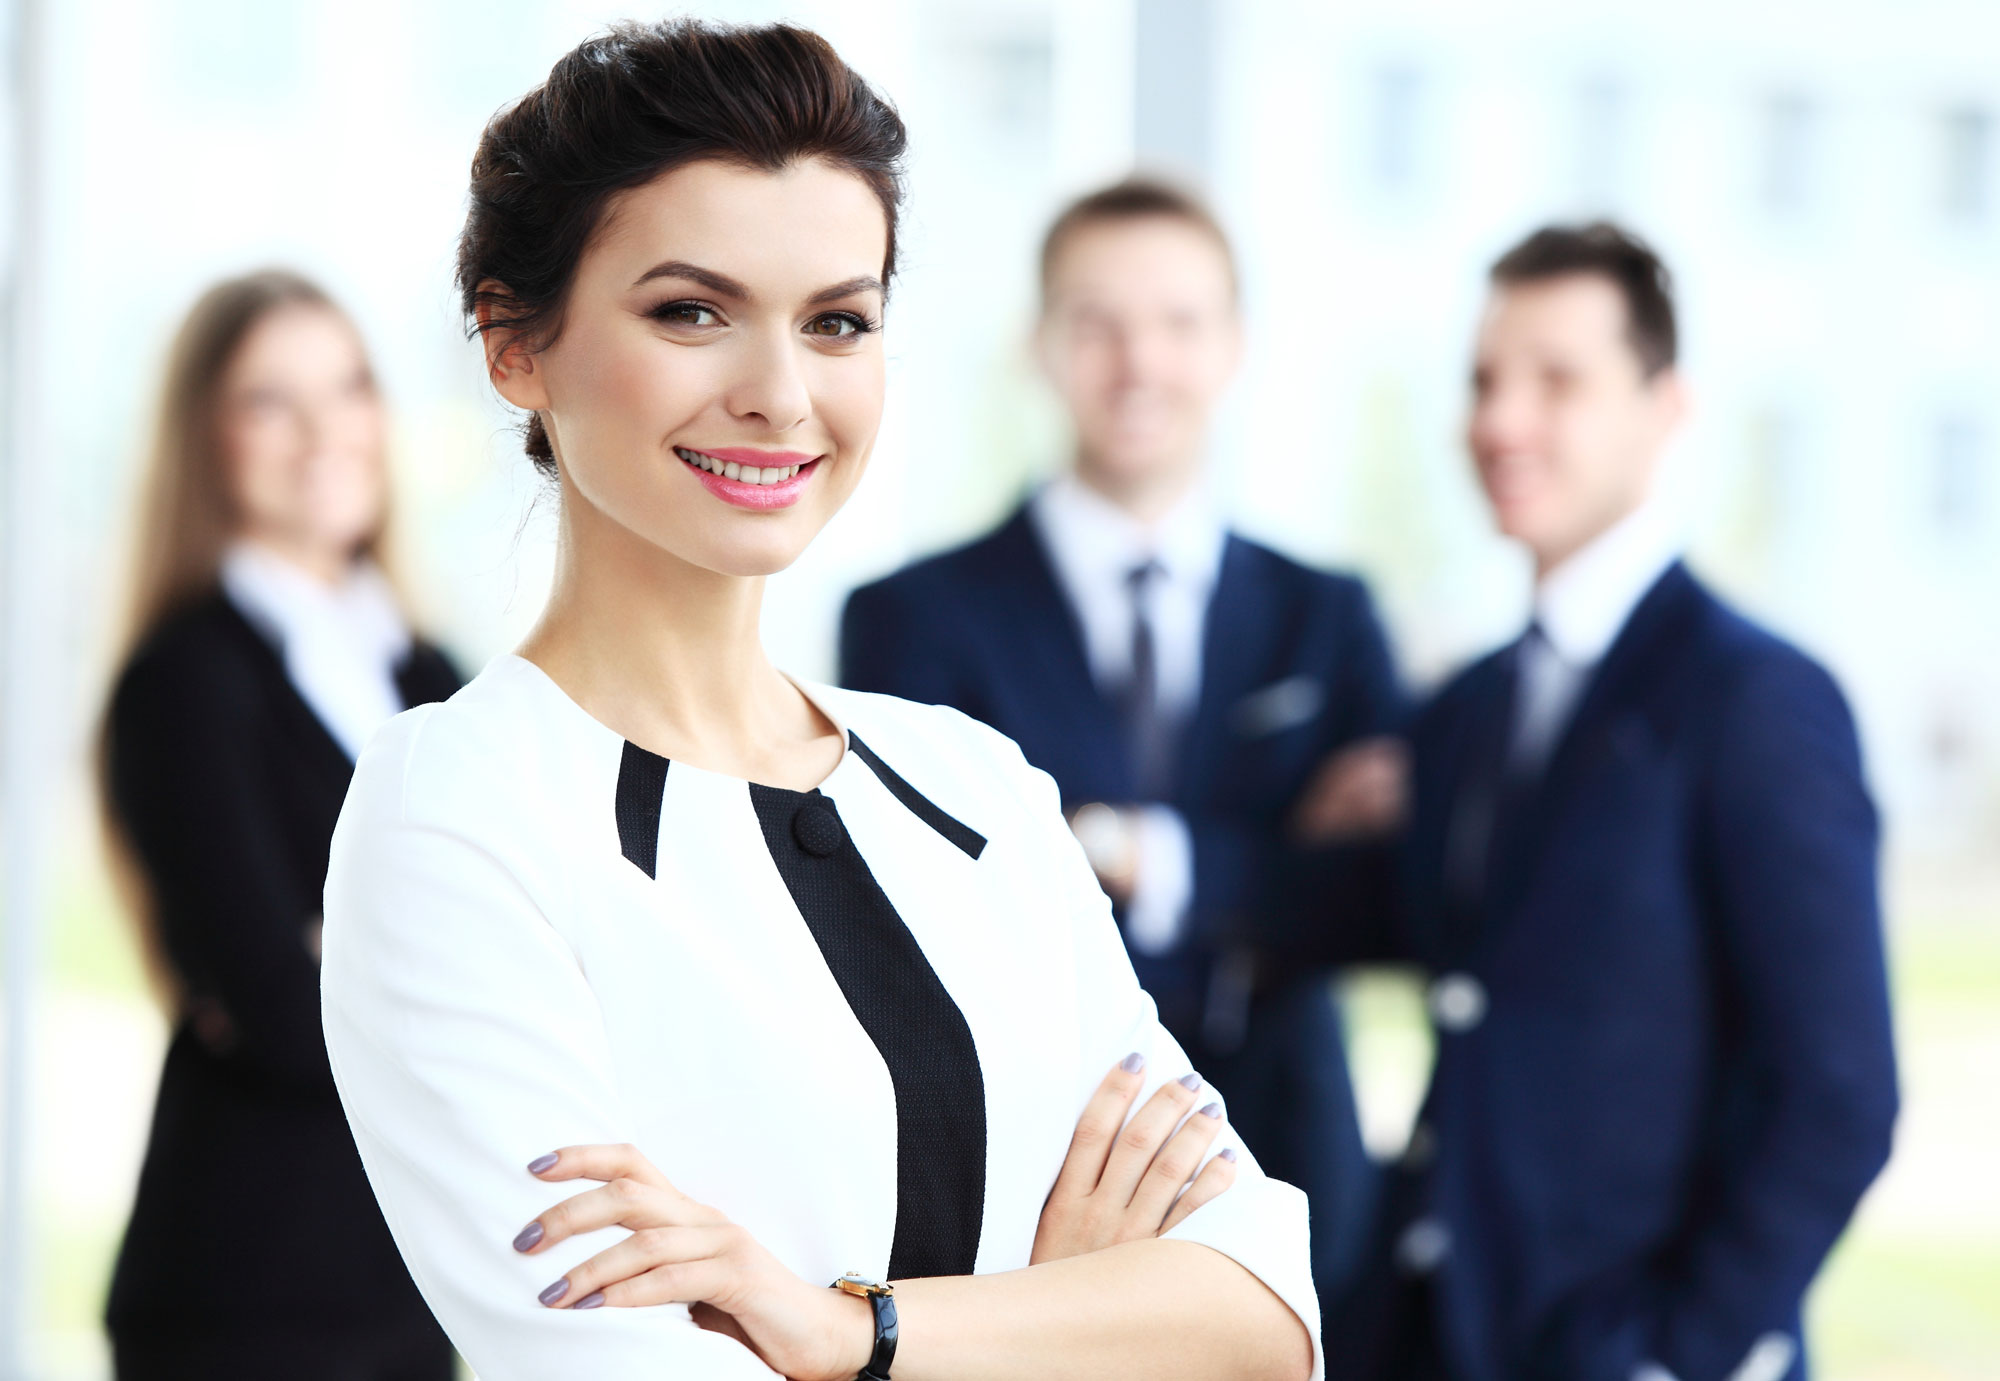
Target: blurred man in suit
point(1641, 868)
point(1178, 681)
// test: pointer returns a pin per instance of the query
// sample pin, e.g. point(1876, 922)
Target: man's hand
point(1110, 841)
point(1361, 792)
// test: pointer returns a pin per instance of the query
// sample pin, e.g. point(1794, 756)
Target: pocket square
point(1281, 705)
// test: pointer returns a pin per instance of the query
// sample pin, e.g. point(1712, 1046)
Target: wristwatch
point(882, 1297)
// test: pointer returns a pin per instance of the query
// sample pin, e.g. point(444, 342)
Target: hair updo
point(629, 105)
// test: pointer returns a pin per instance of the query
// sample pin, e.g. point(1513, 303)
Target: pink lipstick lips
point(751, 478)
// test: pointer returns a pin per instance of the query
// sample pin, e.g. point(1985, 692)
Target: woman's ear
point(510, 363)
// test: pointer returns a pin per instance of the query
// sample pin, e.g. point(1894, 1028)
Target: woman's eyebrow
point(694, 273)
point(863, 284)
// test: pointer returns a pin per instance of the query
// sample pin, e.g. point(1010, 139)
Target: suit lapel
point(294, 716)
point(1240, 632)
point(1048, 637)
point(1642, 652)
point(421, 677)
point(1449, 859)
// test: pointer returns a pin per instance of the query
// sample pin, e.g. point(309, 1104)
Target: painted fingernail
point(1133, 1063)
point(1212, 1110)
point(527, 1237)
point(554, 1292)
point(541, 1163)
point(1190, 1082)
point(590, 1301)
point(1228, 1153)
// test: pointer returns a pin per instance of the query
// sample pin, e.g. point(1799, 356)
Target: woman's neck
point(668, 655)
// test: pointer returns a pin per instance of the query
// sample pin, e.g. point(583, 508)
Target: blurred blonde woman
point(266, 644)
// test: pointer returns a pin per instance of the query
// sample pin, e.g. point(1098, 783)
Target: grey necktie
point(1147, 733)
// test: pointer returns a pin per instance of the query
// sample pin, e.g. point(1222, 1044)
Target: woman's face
point(301, 428)
point(716, 384)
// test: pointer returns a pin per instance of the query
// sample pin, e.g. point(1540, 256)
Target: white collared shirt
point(1579, 609)
point(340, 643)
point(1095, 545)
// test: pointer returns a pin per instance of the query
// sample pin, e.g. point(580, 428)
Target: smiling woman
point(753, 348)
point(266, 645)
point(809, 983)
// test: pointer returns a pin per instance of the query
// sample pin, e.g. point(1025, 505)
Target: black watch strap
point(885, 1339)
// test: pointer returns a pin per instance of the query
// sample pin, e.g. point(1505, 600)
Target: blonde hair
point(185, 519)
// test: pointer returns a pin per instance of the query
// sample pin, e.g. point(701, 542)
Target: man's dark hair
point(1606, 251)
point(629, 105)
point(1137, 198)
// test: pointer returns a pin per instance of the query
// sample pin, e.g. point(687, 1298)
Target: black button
point(818, 830)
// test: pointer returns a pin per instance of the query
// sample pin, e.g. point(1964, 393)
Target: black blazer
point(252, 1209)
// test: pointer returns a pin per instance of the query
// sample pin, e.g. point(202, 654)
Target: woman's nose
point(772, 386)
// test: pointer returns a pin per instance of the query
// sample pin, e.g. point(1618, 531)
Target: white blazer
point(861, 1021)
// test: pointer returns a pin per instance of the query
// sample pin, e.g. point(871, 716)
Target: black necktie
point(1494, 796)
point(1146, 730)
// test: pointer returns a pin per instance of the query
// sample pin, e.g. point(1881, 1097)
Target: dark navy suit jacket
point(1682, 1078)
point(1294, 665)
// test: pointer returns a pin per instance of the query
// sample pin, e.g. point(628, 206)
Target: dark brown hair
point(1134, 199)
point(1612, 252)
point(628, 105)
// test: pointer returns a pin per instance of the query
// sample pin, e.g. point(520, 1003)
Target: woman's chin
point(747, 559)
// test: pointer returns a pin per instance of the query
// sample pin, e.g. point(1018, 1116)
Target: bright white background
point(1825, 178)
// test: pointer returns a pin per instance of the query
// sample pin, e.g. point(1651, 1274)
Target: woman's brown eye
point(682, 314)
point(831, 325)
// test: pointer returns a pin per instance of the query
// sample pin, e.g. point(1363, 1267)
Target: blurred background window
point(1396, 110)
point(1603, 112)
point(1960, 478)
point(1788, 139)
point(1968, 165)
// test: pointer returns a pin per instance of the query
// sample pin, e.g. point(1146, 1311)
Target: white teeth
point(742, 474)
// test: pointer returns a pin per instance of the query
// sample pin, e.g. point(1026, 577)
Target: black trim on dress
point(642, 784)
point(920, 805)
point(915, 1024)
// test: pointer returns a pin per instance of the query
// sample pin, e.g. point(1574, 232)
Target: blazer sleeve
point(1299, 904)
point(1791, 842)
point(196, 807)
point(466, 1042)
point(1259, 1222)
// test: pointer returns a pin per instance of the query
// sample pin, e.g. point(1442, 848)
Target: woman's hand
point(681, 1251)
point(1121, 1185)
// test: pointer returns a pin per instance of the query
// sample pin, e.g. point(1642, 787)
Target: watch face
point(854, 1283)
